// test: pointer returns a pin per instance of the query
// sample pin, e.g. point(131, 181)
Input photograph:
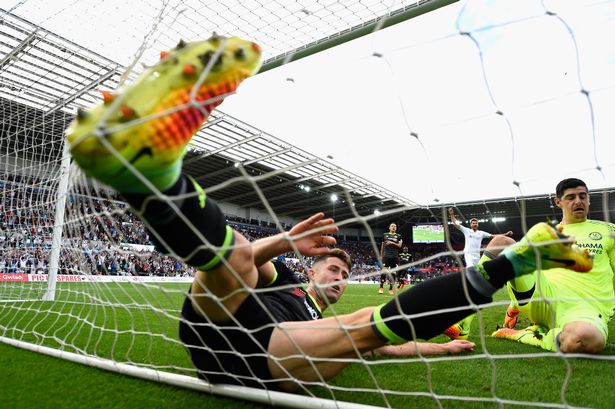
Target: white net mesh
point(117, 298)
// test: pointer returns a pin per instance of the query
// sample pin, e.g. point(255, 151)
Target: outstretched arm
point(425, 348)
point(451, 213)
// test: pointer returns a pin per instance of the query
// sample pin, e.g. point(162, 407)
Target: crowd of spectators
point(101, 237)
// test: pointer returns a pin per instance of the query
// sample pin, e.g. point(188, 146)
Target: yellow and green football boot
point(135, 139)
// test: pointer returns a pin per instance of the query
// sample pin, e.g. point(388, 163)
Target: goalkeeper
point(235, 331)
point(571, 311)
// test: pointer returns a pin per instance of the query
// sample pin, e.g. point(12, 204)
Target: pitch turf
point(121, 330)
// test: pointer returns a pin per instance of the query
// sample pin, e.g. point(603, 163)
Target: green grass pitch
point(122, 330)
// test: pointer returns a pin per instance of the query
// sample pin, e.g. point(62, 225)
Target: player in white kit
point(473, 239)
point(471, 253)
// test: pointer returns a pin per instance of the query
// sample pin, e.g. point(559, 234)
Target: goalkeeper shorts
point(554, 306)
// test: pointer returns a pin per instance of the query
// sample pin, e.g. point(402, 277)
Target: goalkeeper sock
point(171, 234)
point(391, 325)
point(522, 288)
point(487, 256)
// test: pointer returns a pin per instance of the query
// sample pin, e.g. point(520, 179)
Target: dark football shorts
point(390, 262)
point(231, 352)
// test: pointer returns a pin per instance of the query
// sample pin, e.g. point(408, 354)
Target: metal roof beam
point(84, 90)
point(222, 149)
point(19, 48)
point(264, 158)
point(287, 183)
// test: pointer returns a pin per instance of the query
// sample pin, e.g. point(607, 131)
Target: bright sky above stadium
point(420, 108)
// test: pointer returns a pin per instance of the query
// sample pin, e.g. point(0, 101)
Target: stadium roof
point(54, 75)
point(46, 78)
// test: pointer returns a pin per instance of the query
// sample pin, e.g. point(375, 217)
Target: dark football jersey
point(389, 250)
point(405, 257)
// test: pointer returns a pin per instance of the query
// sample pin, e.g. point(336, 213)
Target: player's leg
point(388, 263)
point(195, 230)
point(523, 286)
point(142, 160)
point(293, 345)
point(495, 246)
point(392, 280)
point(573, 325)
point(469, 259)
point(238, 273)
point(561, 323)
point(401, 279)
point(540, 310)
point(383, 279)
point(573, 337)
point(520, 291)
point(385, 276)
point(587, 334)
point(461, 329)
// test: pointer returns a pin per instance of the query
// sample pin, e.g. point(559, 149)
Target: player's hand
point(458, 346)
point(310, 236)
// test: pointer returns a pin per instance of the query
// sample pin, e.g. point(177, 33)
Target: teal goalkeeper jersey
point(596, 286)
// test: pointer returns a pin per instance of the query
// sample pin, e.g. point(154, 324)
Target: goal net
point(475, 105)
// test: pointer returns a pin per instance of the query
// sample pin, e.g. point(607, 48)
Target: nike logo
point(564, 261)
point(145, 151)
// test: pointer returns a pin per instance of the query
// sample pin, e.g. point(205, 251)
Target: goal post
point(58, 225)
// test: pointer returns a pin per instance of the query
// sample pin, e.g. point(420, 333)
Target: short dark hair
point(473, 218)
point(568, 184)
point(338, 253)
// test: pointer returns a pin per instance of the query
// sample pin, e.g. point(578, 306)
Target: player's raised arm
point(309, 237)
point(451, 213)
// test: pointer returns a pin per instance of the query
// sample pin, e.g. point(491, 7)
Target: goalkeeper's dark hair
point(568, 184)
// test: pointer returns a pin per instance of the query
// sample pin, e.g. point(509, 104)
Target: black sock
point(171, 234)
point(439, 293)
point(497, 271)
point(523, 297)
